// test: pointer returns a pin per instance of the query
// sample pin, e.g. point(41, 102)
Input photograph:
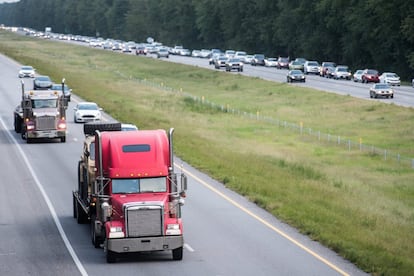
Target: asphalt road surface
point(224, 233)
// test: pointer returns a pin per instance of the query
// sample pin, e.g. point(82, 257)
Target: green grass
point(353, 202)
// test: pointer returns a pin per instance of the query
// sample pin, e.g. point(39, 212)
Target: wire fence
point(337, 140)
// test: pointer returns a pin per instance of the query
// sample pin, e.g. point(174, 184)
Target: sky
point(7, 1)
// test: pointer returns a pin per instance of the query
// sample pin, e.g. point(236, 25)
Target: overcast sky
point(4, 1)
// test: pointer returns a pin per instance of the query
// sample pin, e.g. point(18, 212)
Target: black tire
point(17, 124)
point(74, 206)
point(177, 254)
point(96, 241)
point(23, 132)
point(111, 256)
point(63, 139)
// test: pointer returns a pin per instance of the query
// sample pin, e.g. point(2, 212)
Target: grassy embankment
point(355, 203)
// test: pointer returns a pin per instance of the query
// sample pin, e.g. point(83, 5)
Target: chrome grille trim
point(144, 220)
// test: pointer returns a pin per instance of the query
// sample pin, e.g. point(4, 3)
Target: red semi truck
point(129, 192)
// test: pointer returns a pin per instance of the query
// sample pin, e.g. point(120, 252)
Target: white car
point(341, 72)
point(87, 112)
point(390, 78)
point(357, 76)
point(270, 62)
point(128, 127)
point(26, 71)
point(311, 67)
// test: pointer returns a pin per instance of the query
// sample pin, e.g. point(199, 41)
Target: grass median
point(353, 202)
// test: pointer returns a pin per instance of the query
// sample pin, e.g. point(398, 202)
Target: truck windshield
point(139, 185)
point(44, 103)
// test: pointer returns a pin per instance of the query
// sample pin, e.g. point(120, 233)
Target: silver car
point(311, 67)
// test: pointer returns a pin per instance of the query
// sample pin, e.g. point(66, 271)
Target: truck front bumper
point(46, 134)
point(144, 244)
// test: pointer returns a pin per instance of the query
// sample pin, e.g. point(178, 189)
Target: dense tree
point(378, 34)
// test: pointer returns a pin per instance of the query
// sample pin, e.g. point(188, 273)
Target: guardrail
point(383, 154)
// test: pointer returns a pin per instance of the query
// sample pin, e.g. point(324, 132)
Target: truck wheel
point(23, 133)
point(17, 124)
point(74, 206)
point(177, 254)
point(96, 241)
point(63, 139)
point(110, 256)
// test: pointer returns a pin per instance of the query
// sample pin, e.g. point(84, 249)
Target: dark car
point(295, 75)
point(67, 91)
point(282, 62)
point(258, 59)
point(370, 75)
point(42, 82)
point(234, 64)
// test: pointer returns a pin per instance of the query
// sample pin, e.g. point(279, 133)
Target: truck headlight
point(173, 229)
point(116, 232)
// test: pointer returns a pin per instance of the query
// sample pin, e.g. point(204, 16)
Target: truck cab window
point(125, 186)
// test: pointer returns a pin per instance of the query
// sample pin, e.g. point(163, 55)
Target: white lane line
point(188, 247)
point(266, 223)
point(48, 202)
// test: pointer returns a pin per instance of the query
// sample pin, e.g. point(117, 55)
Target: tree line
point(375, 34)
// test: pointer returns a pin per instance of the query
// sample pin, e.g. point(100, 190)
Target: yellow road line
point(280, 232)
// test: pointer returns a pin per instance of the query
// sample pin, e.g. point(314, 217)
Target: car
point(248, 59)
point(234, 64)
point(282, 62)
point(381, 90)
point(66, 90)
point(140, 50)
point(270, 62)
point(42, 82)
point(185, 52)
point(295, 75)
point(311, 67)
point(214, 57)
point(205, 53)
point(357, 76)
point(128, 127)
point(163, 52)
point(324, 67)
point(176, 50)
point(370, 75)
point(196, 53)
point(258, 59)
point(27, 71)
point(301, 60)
point(295, 65)
point(87, 112)
point(220, 62)
point(390, 78)
point(241, 55)
point(329, 72)
point(229, 53)
point(341, 72)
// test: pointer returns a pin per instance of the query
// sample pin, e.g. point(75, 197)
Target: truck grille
point(45, 122)
point(144, 220)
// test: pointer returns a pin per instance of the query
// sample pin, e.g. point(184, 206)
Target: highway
point(224, 233)
point(404, 95)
